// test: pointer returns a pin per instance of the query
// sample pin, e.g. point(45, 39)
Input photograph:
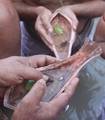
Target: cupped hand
point(43, 26)
point(32, 108)
point(67, 11)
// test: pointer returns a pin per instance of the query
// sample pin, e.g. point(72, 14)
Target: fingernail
point(45, 78)
point(42, 81)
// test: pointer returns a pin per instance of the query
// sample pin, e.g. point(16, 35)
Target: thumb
point(36, 93)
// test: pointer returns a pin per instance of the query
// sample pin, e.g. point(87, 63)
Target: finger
point(62, 100)
point(41, 60)
point(36, 93)
point(75, 23)
point(43, 34)
point(74, 20)
point(46, 37)
point(71, 16)
point(29, 73)
point(46, 23)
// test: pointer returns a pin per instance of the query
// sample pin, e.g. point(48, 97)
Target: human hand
point(32, 108)
point(14, 70)
point(43, 26)
point(99, 35)
point(67, 11)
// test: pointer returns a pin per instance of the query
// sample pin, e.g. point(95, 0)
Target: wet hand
point(32, 108)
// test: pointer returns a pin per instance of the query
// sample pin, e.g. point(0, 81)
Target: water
point(87, 101)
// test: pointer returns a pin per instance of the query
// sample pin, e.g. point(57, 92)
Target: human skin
point(14, 70)
point(32, 108)
point(99, 36)
point(29, 10)
point(9, 30)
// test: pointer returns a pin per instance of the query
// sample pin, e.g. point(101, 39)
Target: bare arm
point(99, 36)
point(29, 10)
point(91, 9)
point(26, 10)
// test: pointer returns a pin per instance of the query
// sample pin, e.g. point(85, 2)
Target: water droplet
point(61, 78)
point(66, 108)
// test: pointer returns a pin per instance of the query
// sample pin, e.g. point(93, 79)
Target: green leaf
point(58, 29)
point(29, 85)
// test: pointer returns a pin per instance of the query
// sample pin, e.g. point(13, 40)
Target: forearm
point(27, 12)
point(89, 9)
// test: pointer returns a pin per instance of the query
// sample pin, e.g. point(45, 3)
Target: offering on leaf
point(63, 35)
point(57, 75)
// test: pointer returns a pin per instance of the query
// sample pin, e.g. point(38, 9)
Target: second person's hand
point(43, 26)
point(67, 11)
point(14, 70)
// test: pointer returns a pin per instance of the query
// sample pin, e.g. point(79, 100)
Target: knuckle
point(42, 84)
point(20, 79)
